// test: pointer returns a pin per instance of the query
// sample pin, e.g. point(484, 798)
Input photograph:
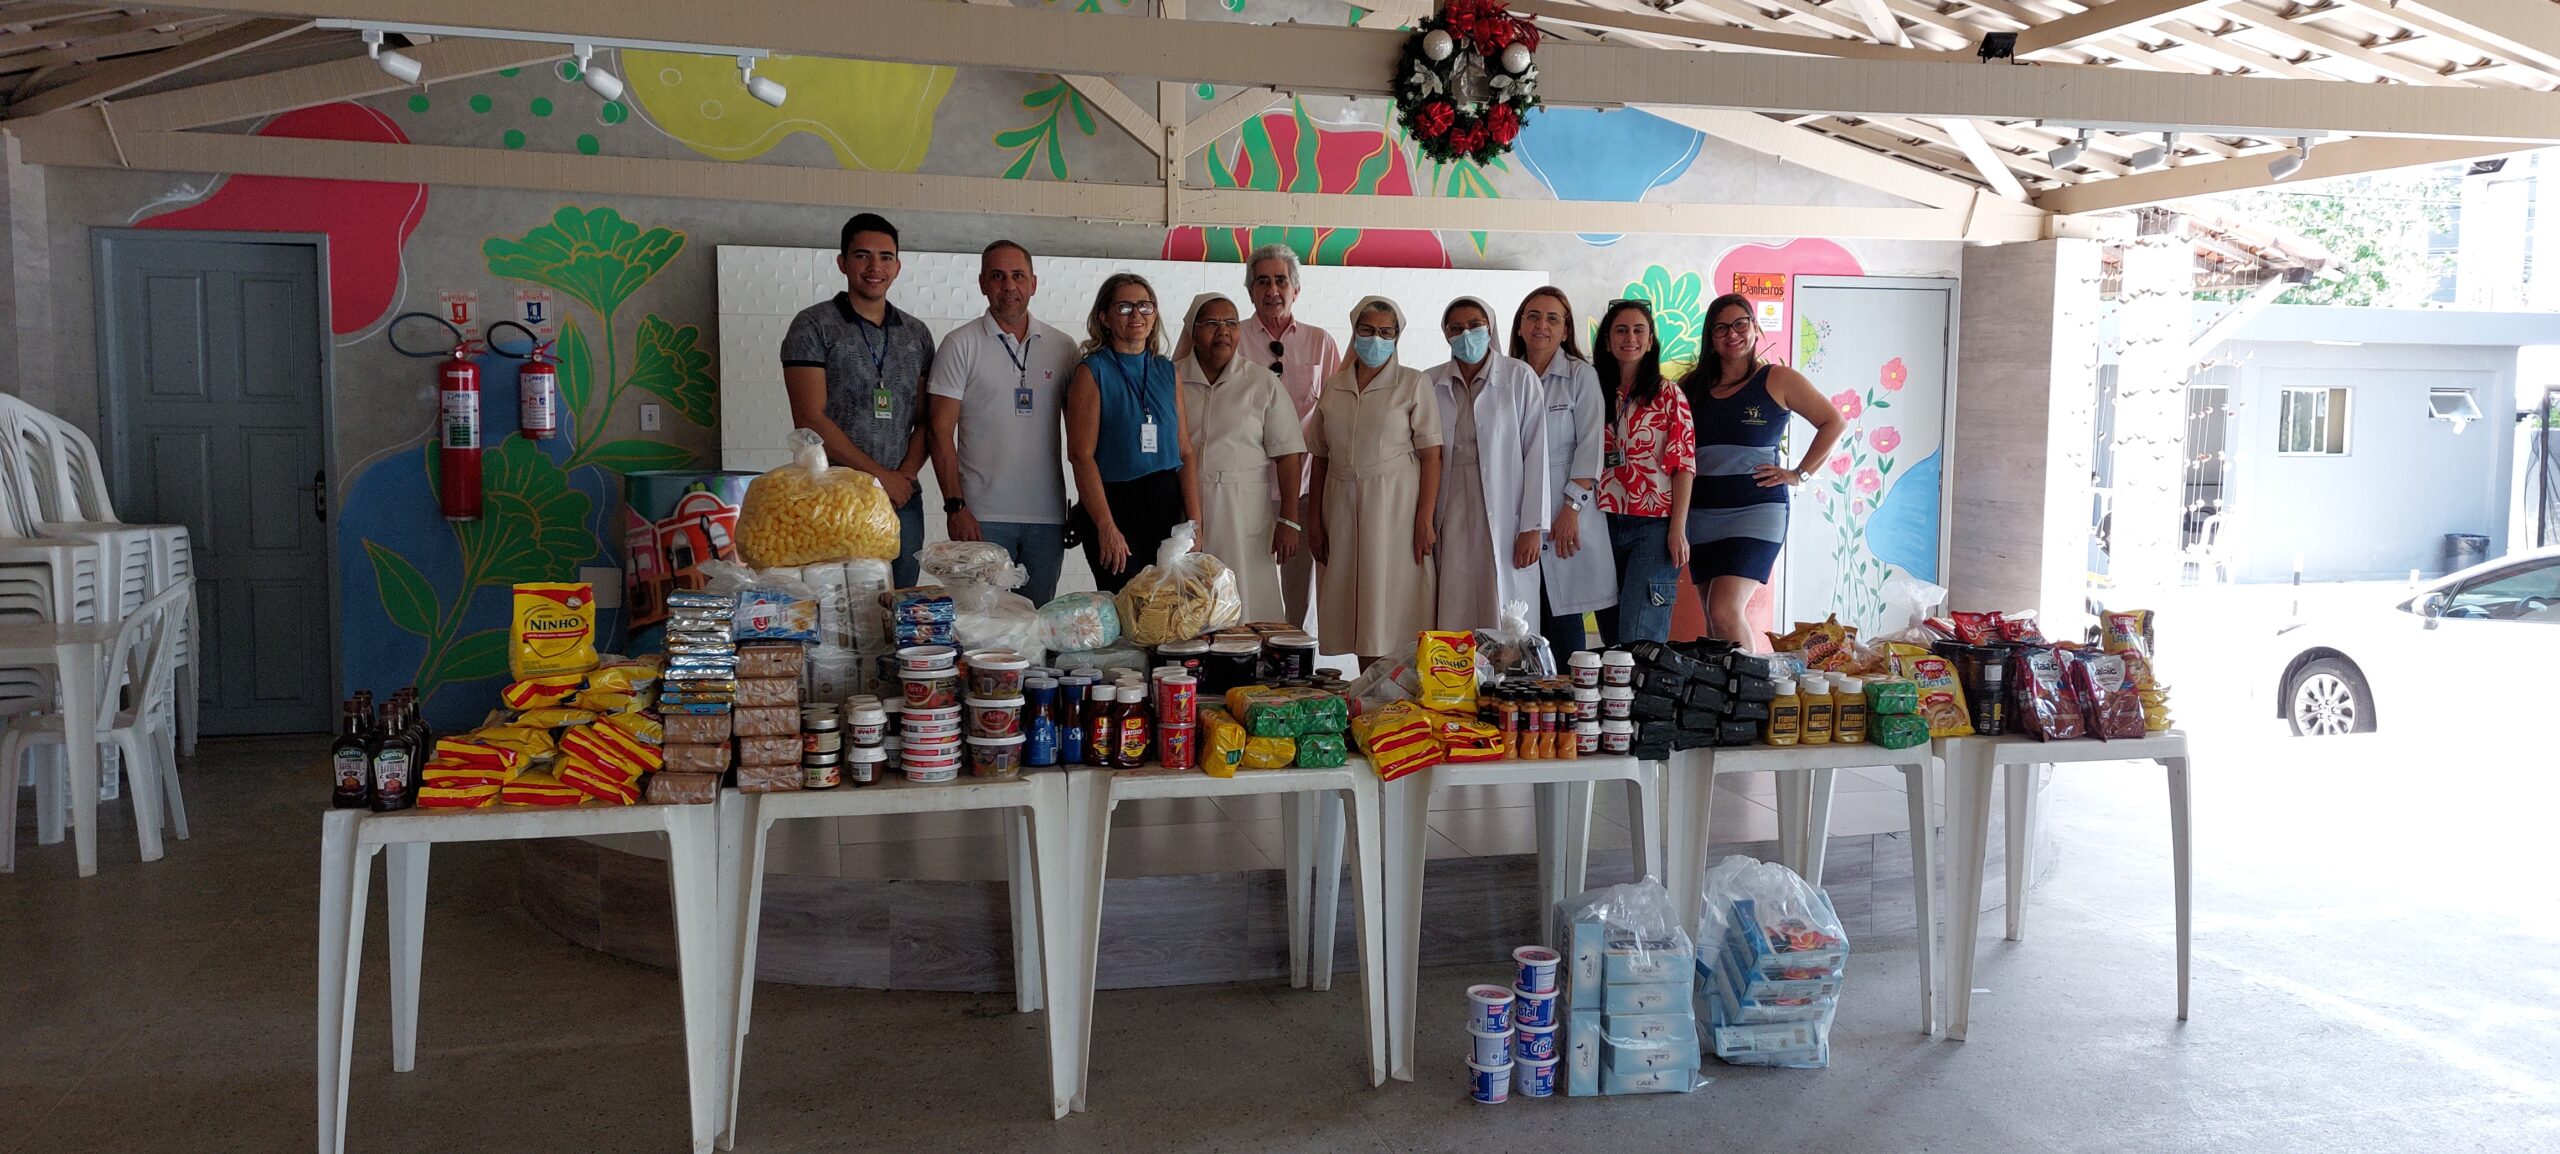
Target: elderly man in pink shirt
point(1302, 356)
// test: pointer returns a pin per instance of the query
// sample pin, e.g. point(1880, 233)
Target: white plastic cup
point(1586, 704)
point(1618, 668)
point(1490, 1085)
point(1585, 665)
point(1537, 969)
point(1535, 1043)
point(1532, 1008)
point(1534, 1079)
point(1492, 1047)
point(1617, 703)
point(1489, 1008)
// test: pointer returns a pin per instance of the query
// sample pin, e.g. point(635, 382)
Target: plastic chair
point(140, 731)
point(2207, 552)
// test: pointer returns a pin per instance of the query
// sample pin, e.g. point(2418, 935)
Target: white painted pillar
point(2155, 309)
point(2018, 463)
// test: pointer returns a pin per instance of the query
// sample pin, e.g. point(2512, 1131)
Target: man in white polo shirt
point(995, 387)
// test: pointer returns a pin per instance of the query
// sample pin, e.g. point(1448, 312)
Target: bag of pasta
point(1183, 595)
point(807, 511)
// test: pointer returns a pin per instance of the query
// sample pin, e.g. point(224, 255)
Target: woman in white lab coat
point(1493, 489)
point(1580, 575)
point(1243, 426)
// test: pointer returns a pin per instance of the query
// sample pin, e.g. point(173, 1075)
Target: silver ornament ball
point(1438, 44)
point(1515, 59)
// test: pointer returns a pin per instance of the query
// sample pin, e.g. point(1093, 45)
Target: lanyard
point(1134, 385)
point(879, 352)
point(1022, 362)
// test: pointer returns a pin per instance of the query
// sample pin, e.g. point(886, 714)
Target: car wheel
point(2328, 697)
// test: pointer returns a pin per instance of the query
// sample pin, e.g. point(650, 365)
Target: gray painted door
point(213, 359)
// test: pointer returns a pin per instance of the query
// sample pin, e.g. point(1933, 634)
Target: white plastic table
point(1040, 867)
point(349, 838)
point(1354, 785)
point(1970, 762)
point(1806, 775)
point(72, 649)
point(1564, 825)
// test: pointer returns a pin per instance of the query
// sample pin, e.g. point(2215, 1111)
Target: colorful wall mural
point(630, 282)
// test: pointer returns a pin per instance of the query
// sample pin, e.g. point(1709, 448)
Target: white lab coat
point(1510, 413)
point(1576, 416)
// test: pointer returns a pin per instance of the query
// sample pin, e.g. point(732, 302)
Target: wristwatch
point(1803, 475)
point(954, 504)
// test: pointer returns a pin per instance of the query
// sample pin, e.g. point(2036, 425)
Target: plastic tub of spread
point(995, 716)
point(997, 675)
point(929, 723)
point(862, 764)
point(926, 658)
point(1490, 1085)
point(1617, 668)
point(868, 725)
point(936, 775)
point(934, 689)
point(1617, 702)
point(995, 756)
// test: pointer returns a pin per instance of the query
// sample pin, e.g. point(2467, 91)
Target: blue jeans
point(1648, 583)
point(1040, 547)
point(903, 571)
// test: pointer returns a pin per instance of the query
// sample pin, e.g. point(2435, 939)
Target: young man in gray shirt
point(855, 369)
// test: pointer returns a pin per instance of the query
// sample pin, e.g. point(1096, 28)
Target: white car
point(2415, 655)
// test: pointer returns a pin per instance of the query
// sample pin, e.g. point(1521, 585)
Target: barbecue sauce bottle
point(350, 762)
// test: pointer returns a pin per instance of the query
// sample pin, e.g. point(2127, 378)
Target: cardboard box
point(1673, 1081)
point(1647, 960)
point(1582, 1044)
point(1678, 1028)
point(1644, 998)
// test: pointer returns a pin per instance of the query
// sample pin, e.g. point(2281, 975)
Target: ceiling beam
point(2427, 19)
point(2527, 31)
point(25, 14)
point(61, 34)
point(2341, 158)
point(81, 140)
point(355, 78)
point(1107, 99)
point(2104, 20)
point(2300, 29)
point(125, 75)
point(1992, 164)
point(1216, 121)
point(1703, 32)
point(1824, 155)
point(1881, 23)
point(1307, 58)
point(174, 30)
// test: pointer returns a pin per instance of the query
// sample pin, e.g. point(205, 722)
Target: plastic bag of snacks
point(1005, 621)
point(554, 629)
point(1941, 690)
point(1222, 743)
point(1782, 928)
point(2125, 631)
point(807, 511)
point(2155, 696)
point(1183, 595)
point(1392, 678)
point(975, 564)
point(1117, 657)
point(1446, 664)
point(1515, 647)
point(1397, 739)
point(1908, 601)
point(1073, 621)
point(2044, 701)
point(1270, 752)
point(1322, 751)
point(2113, 705)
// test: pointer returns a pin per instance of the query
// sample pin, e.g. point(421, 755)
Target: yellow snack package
point(554, 718)
point(1270, 752)
point(1941, 692)
point(642, 727)
point(525, 739)
point(535, 692)
point(806, 512)
point(630, 674)
point(555, 629)
point(1222, 742)
point(1446, 662)
point(607, 700)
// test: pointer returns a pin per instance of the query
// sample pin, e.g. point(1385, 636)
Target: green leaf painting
point(577, 368)
point(533, 524)
point(669, 362)
point(1678, 315)
point(592, 255)
point(407, 598)
point(479, 655)
point(634, 456)
point(1041, 138)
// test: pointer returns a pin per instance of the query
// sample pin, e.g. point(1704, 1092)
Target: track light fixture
point(2070, 151)
point(398, 66)
point(2156, 155)
point(604, 84)
point(770, 91)
point(2290, 162)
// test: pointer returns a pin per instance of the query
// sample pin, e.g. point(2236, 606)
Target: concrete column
point(2155, 308)
point(2026, 387)
point(26, 281)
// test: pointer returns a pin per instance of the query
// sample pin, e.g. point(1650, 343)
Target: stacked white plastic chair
point(58, 465)
point(137, 727)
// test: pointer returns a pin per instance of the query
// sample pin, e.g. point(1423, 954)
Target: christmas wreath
point(1470, 77)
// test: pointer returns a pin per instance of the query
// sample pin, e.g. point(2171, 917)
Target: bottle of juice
point(1786, 715)
point(1849, 710)
point(1813, 692)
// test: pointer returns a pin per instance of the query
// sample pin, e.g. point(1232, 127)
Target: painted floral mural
point(1287, 152)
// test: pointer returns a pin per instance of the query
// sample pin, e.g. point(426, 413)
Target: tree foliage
point(2375, 226)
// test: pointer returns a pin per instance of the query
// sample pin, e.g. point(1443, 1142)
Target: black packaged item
point(1650, 752)
point(1687, 664)
point(1738, 733)
point(1742, 664)
point(1657, 732)
point(1660, 683)
point(1693, 739)
point(1708, 649)
point(1703, 695)
point(1647, 707)
point(1701, 719)
point(1753, 711)
point(1751, 689)
point(1646, 652)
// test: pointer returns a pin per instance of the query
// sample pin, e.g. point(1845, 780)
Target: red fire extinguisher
point(458, 434)
point(538, 396)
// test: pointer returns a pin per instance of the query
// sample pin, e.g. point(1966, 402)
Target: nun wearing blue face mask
point(1374, 496)
point(1494, 496)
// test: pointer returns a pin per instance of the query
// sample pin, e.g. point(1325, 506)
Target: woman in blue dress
point(1738, 504)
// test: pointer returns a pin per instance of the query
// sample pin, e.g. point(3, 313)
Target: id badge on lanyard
point(883, 403)
point(1147, 435)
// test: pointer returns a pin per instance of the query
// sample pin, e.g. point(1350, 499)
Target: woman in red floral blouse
point(1646, 469)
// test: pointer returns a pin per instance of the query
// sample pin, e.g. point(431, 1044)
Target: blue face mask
point(1471, 346)
point(1373, 351)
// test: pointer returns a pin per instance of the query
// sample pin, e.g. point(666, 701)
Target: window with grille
point(2312, 422)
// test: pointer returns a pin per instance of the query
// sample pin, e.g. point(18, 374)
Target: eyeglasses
point(1374, 331)
point(1454, 330)
point(1228, 325)
point(1134, 309)
point(1638, 303)
point(1734, 328)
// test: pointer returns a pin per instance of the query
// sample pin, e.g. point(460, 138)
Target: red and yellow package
point(554, 629)
point(1397, 740)
point(434, 796)
point(599, 782)
point(609, 746)
point(1222, 743)
point(1466, 739)
point(536, 692)
point(2154, 696)
point(539, 789)
point(1941, 690)
point(2125, 631)
point(1977, 628)
point(531, 741)
point(1446, 663)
